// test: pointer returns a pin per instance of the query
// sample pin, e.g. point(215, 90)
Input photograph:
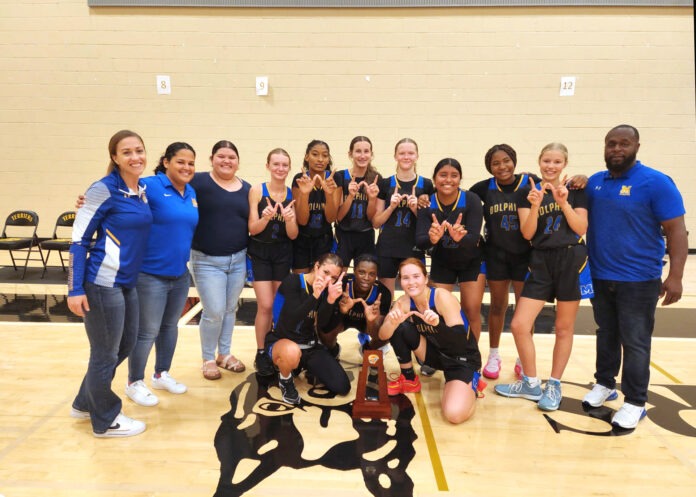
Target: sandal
point(230, 363)
point(210, 370)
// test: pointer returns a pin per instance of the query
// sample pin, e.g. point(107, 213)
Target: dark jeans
point(161, 302)
point(625, 316)
point(112, 328)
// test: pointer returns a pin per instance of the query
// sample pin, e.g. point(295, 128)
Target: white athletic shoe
point(628, 416)
point(598, 395)
point(166, 382)
point(123, 426)
point(141, 395)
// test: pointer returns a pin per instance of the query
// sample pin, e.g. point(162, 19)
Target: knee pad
point(404, 340)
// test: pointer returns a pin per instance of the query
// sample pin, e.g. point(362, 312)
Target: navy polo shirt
point(624, 238)
point(175, 217)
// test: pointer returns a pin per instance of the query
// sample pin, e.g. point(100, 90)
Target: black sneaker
point(287, 388)
point(264, 364)
point(426, 370)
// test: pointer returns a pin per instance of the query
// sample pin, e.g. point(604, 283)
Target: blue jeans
point(625, 316)
point(219, 281)
point(161, 302)
point(112, 328)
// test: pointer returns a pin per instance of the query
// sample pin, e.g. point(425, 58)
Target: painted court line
point(432, 446)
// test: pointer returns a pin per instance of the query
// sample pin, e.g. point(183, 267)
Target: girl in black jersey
point(272, 226)
point(317, 203)
point(554, 219)
point(364, 304)
point(396, 210)
point(451, 227)
point(354, 232)
point(429, 322)
point(506, 250)
point(304, 307)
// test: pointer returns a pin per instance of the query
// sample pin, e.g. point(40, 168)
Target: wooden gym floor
point(268, 449)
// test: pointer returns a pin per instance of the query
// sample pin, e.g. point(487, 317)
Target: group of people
point(131, 281)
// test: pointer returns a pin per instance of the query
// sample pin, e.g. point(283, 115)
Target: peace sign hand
point(288, 211)
point(329, 184)
point(428, 316)
point(457, 231)
point(270, 210)
point(305, 183)
point(372, 310)
point(535, 196)
point(346, 303)
point(436, 230)
point(373, 189)
point(335, 289)
point(560, 192)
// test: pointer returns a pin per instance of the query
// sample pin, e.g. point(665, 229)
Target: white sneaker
point(598, 395)
point(77, 414)
point(166, 382)
point(123, 426)
point(628, 416)
point(492, 368)
point(140, 394)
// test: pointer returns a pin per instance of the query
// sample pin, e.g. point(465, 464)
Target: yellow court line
point(432, 446)
point(661, 370)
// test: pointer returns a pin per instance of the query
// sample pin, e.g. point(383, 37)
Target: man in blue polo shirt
point(629, 206)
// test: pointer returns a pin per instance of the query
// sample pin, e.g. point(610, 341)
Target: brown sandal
point(210, 370)
point(230, 363)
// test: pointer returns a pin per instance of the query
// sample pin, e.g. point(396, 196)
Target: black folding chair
point(60, 241)
point(19, 235)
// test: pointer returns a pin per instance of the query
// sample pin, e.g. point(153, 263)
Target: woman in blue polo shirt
point(164, 281)
point(102, 278)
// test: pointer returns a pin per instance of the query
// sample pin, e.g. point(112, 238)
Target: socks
point(408, 373)
point(551, 379)
point(533, 381)
point(493, 352)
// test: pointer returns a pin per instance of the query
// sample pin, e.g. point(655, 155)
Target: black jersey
point(275, 231)
point(453, 254)
point(355, 318)
point(552, 229)
point(450, 341)
point(356, 219)
point(397, 236)
point(500, 212)
point(297, 314)
point(317, 224)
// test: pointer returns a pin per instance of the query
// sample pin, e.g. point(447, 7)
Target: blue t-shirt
point(174, 219)
point(625, 214)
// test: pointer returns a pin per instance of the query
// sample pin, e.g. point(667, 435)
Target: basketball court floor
point(236, 437)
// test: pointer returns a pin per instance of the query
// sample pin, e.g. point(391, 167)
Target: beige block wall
point(457, 80)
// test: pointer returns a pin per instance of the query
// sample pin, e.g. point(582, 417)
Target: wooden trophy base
point(371, 398)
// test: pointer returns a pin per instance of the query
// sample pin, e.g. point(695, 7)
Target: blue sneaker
point(551, 398)
point(520, 388)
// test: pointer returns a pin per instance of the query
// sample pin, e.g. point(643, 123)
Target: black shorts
point(555, 274)
point(306, 250)
point(269, 261)
point(446, 275)
point(389, 266)
point(502, 265)
point(454, 368)
point(351, 244)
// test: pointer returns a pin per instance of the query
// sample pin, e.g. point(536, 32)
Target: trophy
point(371, 399)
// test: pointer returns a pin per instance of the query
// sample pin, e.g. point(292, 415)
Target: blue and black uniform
point(316, 237)
point(451, 261)
point(452, 349)
point(397, 236)
point(270, 251)
point(558, 264)
point(506, 251)
point(299, 316)
point(355, 234)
